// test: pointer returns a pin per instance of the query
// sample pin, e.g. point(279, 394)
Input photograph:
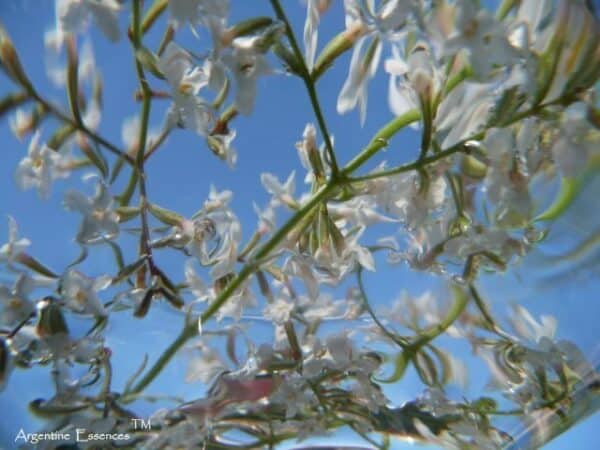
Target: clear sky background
point(179, 178)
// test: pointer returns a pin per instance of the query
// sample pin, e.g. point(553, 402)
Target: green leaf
point(569, 188)
point(400, 366)
point(165, 216)
point(426, 368)
point(32, 263)
point(127, 213)
point(60, 136)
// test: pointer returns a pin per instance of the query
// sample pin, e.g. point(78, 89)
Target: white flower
point(281, 192)
point(21, 123)
point(464, 112)
point(72, 16)
point(359, 211)
point(177, 66)
point(279, 310)
point(339, 350)
point(489, 239)
point(87, 349)
point(203, 232)
point(182, 11)
point(130, 134)
point(246, 62)
point(323, 306)
point(221, 145)
point(100, 221)
point(576, 141)
point(374, 26)
point(363, 66)
point(266, 218)
point(482, 36)
point(402, 196)
point(236, 304)
point(79, 293)
point(195, 283)
point(40, 167)
point(412, 82)
point(505, 183)
point(186, 79)
point(205, 366)
point(334, 263)
point(16, 307)
point(309, 153)
point(197, 11)
point(294, 395)
point(314, 9)
point(300, 266)
point(571, 25)
point(14, 246)
point(416, 312)
point(531, 330)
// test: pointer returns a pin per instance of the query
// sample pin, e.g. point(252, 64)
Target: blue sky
point(179, 178)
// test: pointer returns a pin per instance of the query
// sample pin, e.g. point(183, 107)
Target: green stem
point(459, 305)
point(310, 86)
point(415, 165)
point(393, 336)
point(381, 138)
point(145, 247)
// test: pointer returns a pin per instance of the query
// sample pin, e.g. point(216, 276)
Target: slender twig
point(55, 111)
point(145, 247)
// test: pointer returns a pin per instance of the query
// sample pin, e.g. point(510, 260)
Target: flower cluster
point(505, 105)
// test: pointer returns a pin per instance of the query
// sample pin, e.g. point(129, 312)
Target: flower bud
point(73, 80)
point(249, 26)
point(5, 362)
point(11, 101)
point(10, 61)
point(51, 321)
